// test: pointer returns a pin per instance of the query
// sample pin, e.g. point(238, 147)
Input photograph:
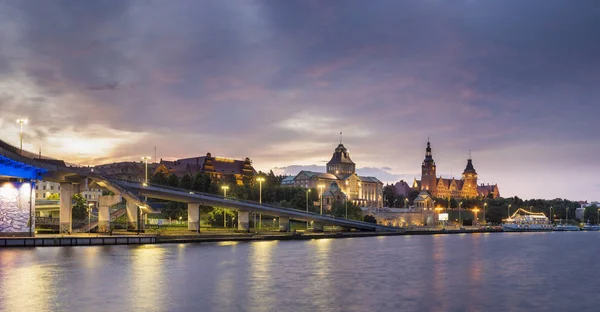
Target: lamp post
point(260, 181)
point(550, 214)
point(508, 216)
point(459, 215)
point(484, 212)
point(321, 186)
point(346, 205)
point(475, 211)
point(89, 217)
point(225, 188)
point(395, 200)
point(145, 159)
point(566, 215)
point(21, 122)
point(307, 191)
point(598, 216)
point(405, 202)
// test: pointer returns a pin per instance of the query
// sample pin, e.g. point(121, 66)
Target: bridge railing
point(296, 211)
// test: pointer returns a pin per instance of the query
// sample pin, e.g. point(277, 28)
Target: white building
point(43, 190)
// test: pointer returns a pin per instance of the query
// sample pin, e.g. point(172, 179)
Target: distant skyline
point(514, 81)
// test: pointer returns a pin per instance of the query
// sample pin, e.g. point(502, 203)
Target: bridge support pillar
point(104, 203)
point(243, 220)
point(193, 217)
point(284, 224)
point(317, 226)
point(133, 216)
point(66, 208)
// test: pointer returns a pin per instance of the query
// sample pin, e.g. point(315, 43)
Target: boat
point(566, 227)
point(527, 221)
point(589, 227)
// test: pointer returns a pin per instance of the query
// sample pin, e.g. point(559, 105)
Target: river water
point(474, 272)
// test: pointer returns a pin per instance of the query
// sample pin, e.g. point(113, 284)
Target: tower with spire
point(340, 163)
point(469, 177)
point(428, 173)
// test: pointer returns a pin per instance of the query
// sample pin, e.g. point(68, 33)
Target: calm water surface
point(479, 272)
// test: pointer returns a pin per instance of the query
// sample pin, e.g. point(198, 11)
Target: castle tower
point(340, 163)
point(469, 177)
point(428, 176)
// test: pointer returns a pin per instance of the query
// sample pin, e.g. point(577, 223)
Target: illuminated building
point(452, 188)
point(341, 181)
point(217, 167)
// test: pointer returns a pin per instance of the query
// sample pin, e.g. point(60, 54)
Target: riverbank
point(135, 239)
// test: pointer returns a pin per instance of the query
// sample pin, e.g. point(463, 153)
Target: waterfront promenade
point(131, 238)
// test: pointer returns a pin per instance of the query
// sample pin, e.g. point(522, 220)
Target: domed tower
point(340, 163)
point(428, 177)
point(469, 177)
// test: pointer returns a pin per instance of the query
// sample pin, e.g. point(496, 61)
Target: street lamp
point(321, 186)
point(598, 216)
point(475, 211)
point(260, 181)
point(346, 204)
point(484, 212)
point(550, 214)
point(395, 200)
point(22, 121)
point(225, 188)
point(307, 191)
point(405, 202)
point(145, 159)
point(459, 214)
point(89, 217)
point(508, 216)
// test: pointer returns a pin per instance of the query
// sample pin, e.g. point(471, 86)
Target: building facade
point(341, 182)
point(466, 187)
point(217, 167)
point(45, 189)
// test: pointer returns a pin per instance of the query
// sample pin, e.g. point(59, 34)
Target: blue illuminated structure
point(14, 169)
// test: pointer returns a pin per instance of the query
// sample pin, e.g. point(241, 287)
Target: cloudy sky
point(517, 82)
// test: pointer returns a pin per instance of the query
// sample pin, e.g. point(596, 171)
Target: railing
point(292, 210)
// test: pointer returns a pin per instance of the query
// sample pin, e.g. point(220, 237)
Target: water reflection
point(497, 272)
point(146, 278)
point(261, 279)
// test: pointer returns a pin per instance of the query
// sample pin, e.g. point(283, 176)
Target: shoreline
point(145, 239)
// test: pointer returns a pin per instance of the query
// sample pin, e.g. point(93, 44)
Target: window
point(44, 187)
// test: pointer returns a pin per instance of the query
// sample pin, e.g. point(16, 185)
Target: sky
point(516, 82)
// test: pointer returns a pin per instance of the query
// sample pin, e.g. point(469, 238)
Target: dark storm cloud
point(277, 80)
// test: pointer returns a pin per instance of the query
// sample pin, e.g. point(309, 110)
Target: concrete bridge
point(21, 166)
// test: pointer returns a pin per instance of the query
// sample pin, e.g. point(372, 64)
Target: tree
point(370, 219)
point(389, 195)
point(53, 196)
point(186, 182)
point(339, 210)
point(174, 210)
point(159, 178)
point(173, 180)
point(79, 207)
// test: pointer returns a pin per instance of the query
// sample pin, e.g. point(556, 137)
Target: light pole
point(484, 212)
point(346, 205)
point(550, 214)
point(22, 121)
point(321, 186)
point(89, 217)
point(395, 200)
point(307, 191)
point(405, 202)
point(459, 215)
point(260, 181)
point(566, 215)
point(508, 216)
point(598, 216)
point(145, 159)
point(475, 211)
point(225, 188)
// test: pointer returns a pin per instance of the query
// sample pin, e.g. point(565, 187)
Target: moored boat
point(527, 221)
point(566, 227)
point(589, 227)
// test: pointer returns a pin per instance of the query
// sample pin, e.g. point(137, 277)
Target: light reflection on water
point(498, 272)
